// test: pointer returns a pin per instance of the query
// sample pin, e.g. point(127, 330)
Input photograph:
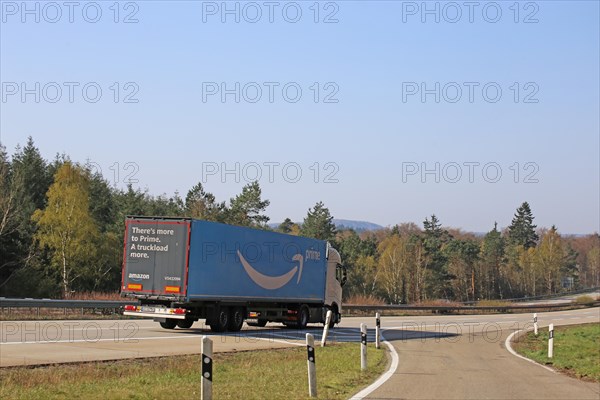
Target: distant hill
point(358, 226)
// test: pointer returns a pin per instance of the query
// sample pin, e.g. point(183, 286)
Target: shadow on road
point(335, 335)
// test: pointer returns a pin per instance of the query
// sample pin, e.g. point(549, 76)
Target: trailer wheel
point(334, 317)
point(220, 321)
point(303, 315)
point(169, 323)
point(185, 323)
point(236, 319)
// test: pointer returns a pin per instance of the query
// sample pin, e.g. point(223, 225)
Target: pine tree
point(318, 223)
point(434, 238)
point(34, 171)
point(492, 259)
point(28, 181)
point(203, 205)
point(286, 226)
point(247, 208)
point(522, 230)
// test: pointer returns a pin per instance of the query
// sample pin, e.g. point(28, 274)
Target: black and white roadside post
point(377, 329)
point(207, 369)
point(535, 325)
point(363, 346)
point(326, 328)
point(551, 341)
point(312, 369)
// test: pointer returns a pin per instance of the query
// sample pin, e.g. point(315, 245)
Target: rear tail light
point(134, 286)
point(179, 311)
point(129, 307)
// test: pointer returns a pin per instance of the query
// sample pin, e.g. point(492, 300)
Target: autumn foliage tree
point(66, 226)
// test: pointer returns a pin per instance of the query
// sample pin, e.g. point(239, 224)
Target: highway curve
point(440, 357)
point(436, 364)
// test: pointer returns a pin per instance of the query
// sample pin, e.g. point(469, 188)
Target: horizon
point(419, 224)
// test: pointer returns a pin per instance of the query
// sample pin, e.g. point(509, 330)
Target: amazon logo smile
point(272, 282)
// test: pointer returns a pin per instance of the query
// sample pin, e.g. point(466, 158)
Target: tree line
point(62, 225)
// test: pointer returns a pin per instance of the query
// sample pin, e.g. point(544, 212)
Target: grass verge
point(576, 350)
point(264, 374)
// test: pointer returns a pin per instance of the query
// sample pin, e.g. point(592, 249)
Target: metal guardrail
point(53, 303)
point(108, 304)
point(356, 307)
point(546, 296)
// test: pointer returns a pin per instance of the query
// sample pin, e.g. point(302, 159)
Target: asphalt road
point(442, 357)
point(435, 363)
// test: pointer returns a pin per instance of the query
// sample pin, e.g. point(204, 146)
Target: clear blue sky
point(375, 56)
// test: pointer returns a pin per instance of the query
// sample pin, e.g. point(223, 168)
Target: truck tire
point(169, 323)
point(185, 323)
point(334, 317)
point(236, 319)
point(220, 321)
point(303, 316)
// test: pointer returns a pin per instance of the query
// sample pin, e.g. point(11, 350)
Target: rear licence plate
point(148, 309)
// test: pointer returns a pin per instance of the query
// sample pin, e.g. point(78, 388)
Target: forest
point(62, 224)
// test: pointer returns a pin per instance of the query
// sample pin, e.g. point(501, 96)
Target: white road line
point(134, 340)
point(514, 353)
point(124, 340)
point(383, 378)
point(280, 341)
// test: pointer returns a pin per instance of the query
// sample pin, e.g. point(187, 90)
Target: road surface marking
point(383, 378)
point(514, 353)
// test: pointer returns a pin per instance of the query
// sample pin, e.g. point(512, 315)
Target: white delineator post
point(535, 325)
point(363, 346)
point(207, 369)
point(326, 328)
point(312, 369)
point(551, 341)
point(377, 329)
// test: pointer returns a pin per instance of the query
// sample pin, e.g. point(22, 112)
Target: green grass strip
point(576, 350)
point(263, 374)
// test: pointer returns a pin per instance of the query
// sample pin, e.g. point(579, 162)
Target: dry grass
point(370, 300)
point(585, 300)
point(494, 303)
point(113, 296)
point(439, 303)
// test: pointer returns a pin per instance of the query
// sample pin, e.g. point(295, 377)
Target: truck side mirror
point(341, 274)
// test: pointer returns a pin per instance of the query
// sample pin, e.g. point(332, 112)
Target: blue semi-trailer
point(182, 270)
